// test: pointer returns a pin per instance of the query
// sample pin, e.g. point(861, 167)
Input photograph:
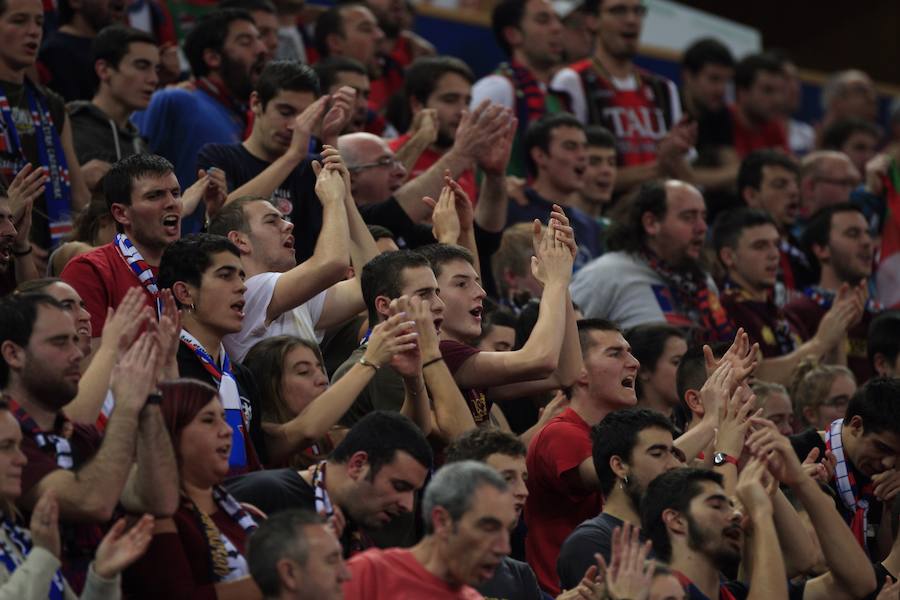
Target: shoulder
point(570, 76)
point(99, 258)
point(221, 151)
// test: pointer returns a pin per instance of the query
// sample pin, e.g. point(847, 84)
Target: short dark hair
point(381, 434)
point(329, 68)
point(818, 230)
point(586, 326)
point(617, 435)
point(279, 536)
point(876, 402)
point(730, 224)
point(836, 135)
point(750, 173)
point(627, 234)
point(383, 276)
point(329, 22)
point(209, 33)
point(423, 74)
point(647, 343)
point(748, 68)
point(706, 51)
point(481, 442)
point(599, 136)
point(672, 490)
point(18, 314)
point(249, 5)
point(884, 336)
point(188, 258)
point(232, 216)
point(507, 13)
point(539, 132)
point(119, 180)
point(498, 316)
point(439, 255)
point(113, 42)
point(691, 375)
point(288, 75)
point(380, 232)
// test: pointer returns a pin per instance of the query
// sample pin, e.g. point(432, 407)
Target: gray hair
point(280, 536)
point(836, 85)
point(454, 486)
point(764, 389)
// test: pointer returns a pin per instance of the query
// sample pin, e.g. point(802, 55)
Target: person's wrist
point(369, 360)
point(22, 248)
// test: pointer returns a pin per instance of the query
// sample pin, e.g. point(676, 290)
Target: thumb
point(811, 457)
point(201, 173)
point(429, 201)
point(317, 167)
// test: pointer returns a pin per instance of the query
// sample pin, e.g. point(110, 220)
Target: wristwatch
point(720, 458)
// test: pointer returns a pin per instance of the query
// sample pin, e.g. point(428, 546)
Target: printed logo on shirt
point(632, 122)
point(281, 198)
point(246, 409)
point(22, 119)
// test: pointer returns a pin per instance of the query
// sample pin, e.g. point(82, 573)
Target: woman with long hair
point(198, 553)
point(821, 393)
point(30, 558)
point(298, 406)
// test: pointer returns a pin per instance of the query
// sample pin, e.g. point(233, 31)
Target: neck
point(829, 280)
point(43, 416)
point(210, 340)
point(618, 505)
point(550, 192)
point(542, 74)
point(428, 553)
point(11, 74)
point(698, 569)
point(151, 254)
point(254, 145)
point(746, 118)
point(755, 292)
point(114, 109)
point(252, 266)
point(201, 495)
point(616, 66)
point(79, 27)
point(654, 401)
point(589, 409)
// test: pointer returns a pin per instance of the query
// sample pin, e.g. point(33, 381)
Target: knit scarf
point(825, 298)
point(11, 560)
point(784, 336)
point(226, 563)
point(853, 497)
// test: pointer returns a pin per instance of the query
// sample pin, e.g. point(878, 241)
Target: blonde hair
point(763, 389)
point(513, 256)
point(811, 382)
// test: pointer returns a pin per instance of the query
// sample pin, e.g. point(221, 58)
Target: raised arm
point(330, 260)
point(768, 580)
point(423, 133)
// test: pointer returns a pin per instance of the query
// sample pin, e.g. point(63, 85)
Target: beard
point(238, 78)
point(50, 389)
point(704, 541)
point(444, 140)
point(635, 491)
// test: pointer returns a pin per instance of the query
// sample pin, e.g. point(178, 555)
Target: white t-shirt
point(623, 289)
point(300, 322)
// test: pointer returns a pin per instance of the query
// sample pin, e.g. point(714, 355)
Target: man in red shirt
point(468, 511)
point(563, 486)
point(759, 83)
point(442, 83)
point(145, 200)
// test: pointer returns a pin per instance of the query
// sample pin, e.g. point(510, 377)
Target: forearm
point(451, 413)
point(847, 561)
point(25, 268)
point(543, 346)
point(153, 485)
point(93, 387)
point(716, 178)
point(265, 184)
point(415, 403)
point(570, 359)
point(796, 544)
point(769, 579)
point(781, 368)
point(362, 244)
point(490, 212)
point(320, 415)
point(409, 153)
point(693, 441)
point(429, 183)
point(630, 177)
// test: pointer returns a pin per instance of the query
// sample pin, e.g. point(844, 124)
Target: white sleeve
point(496, 88)
point(568, 81)
point(314, 306)
point(260, 289)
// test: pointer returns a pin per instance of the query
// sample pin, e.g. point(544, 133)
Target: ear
point(13, 354)
point(856, 426)
point(255, 103)
point(810, 414)
point(513, 36)
point(414, 105)
point(289, 577)
point(212, 58)
point(538, 156)
point(726, 255)
point(675, 521)
point(881, 364)
point(582, 378)
point(441, 521)
point(357, 465)
point(120, 214)
point(650, 223)
point(241, 240)
point(102, 69)
point(822, 253)
point(335, 43)
point(692, 399)
point(618, 466)
point(382, 307)
point(750, 196)
point(182, 293)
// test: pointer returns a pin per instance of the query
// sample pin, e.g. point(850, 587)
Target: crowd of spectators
point(297, 308)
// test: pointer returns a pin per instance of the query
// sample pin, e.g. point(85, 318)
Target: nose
point(287, 226)
point(437, 305)
point(520, 490)
point(20, 459)
point(479, 292)
point(502, 547)
point(405, 502)
point(633, 362)
point(399, 169)
point(379, 33)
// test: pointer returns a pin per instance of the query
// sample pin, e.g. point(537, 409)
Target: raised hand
point(419, 310)
point(329, 181)
point(768, 445)
point(44, 524)
point(478, 131)
point(753, 487)
point(734, 422)
point(123, 323)
point(391, 337)
point(742, 356)
point(715, 392)
point(445, 224)
point(408, 361)
point(591, 587)
point(216, 192)
point(629, 575)
point(495, 160)
point(304, 125)
point(425, 125)
point(820, 471)
point(25, 188)
point(135, 375)
point(169, 330)
point(887, 485)
point(890, 591)
point(119, 549)
point(461, 201)
point(340, 113)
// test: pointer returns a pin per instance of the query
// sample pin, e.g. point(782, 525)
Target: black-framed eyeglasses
point(621, 11)
point(387, 161)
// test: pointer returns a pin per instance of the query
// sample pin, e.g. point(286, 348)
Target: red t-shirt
point(455, 354)
point(555, 506)
point(102, 278)
point(746, 139)
point(466, 179)
point(395, 574)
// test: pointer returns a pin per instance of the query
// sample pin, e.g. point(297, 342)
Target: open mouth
point(5, 254)
point(477, 312)
point(437, 324)
point(171, 222)
point(289, 242)
point(733, 533)
point(84, 331)
point(224, 451)
point(579, 171)
point(628, 382)
point(238, 307)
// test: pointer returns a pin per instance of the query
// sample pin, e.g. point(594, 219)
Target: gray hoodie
point(97, 136)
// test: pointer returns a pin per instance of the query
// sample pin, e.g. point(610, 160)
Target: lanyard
point(132, 257)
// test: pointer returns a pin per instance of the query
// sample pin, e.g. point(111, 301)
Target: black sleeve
point(577, 554)
point(273, 490)
point(391, 215)
point(488, 242)
point(215, 155)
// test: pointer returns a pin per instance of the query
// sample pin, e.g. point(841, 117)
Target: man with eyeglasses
point(826, 178)
point(643, 110)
